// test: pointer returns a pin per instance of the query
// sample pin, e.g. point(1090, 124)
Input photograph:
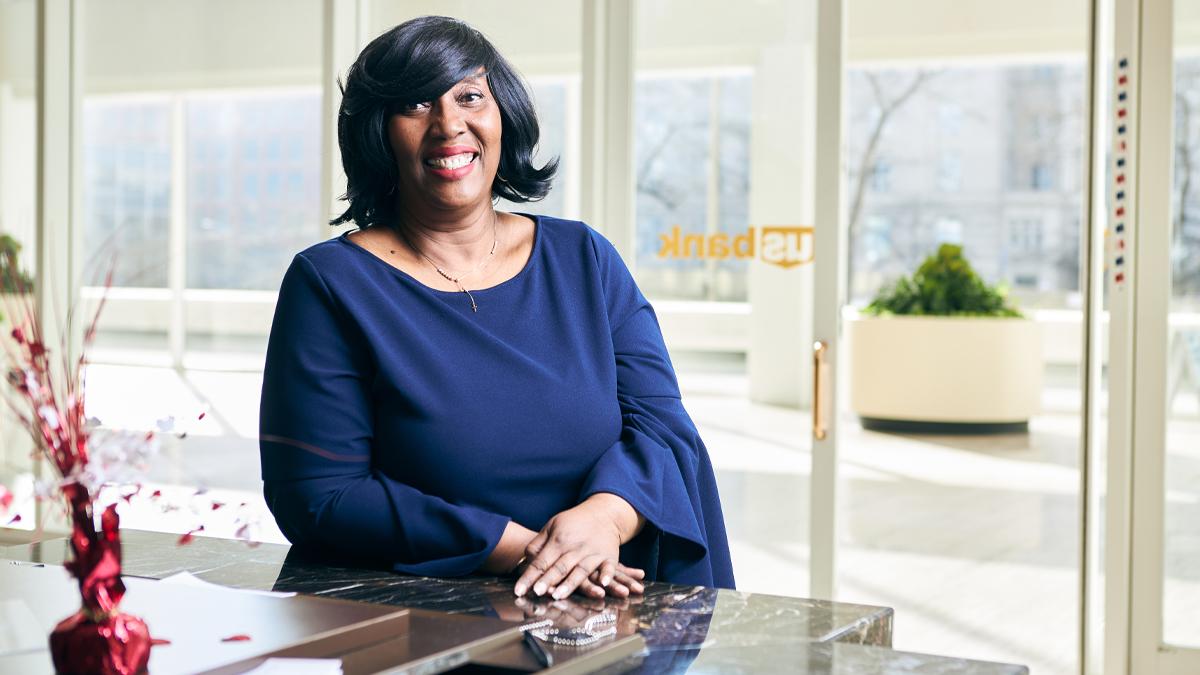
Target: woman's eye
point(471, 97)
point(414, 107)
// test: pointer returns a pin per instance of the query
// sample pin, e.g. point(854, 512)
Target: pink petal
point(188, 537)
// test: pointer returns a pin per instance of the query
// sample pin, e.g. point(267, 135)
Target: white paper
point(274, 666)
point(189, 579)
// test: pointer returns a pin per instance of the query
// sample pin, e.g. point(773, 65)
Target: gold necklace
point(457, 281)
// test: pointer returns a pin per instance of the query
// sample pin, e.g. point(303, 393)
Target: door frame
point(828, 294)
point(1153, 35)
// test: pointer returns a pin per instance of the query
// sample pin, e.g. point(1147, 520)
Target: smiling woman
point(455, 389)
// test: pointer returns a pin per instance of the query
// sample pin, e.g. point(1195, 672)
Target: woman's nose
point(448, 120)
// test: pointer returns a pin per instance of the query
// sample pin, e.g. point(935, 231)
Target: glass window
point(692, 164)
point(18, 198)
point(251, 243)
point(1181, 546)
point(881, 176)
point(996, 106)
point(948, 230)
point(967, 105)
point(551, 96)
point(950, 118)
point(189, 108)
point(127, 187)
point(1041, 177)
point(949, 178)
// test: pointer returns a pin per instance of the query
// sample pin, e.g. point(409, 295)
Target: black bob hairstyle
point(415, 62)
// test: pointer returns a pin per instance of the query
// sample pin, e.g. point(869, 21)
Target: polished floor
point(973, 540)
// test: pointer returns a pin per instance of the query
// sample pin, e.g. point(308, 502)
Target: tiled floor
point(973, 540)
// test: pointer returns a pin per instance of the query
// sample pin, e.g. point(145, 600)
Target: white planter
point(945, 369)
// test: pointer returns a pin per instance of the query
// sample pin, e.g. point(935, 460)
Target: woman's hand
point(582, 542)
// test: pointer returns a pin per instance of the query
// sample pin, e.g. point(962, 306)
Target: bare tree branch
point(868, 161)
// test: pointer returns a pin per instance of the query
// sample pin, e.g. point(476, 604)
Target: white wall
point(538, 37)
point(146, 45)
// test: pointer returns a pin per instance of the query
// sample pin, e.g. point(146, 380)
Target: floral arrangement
point(95, 470)
point(49, 403)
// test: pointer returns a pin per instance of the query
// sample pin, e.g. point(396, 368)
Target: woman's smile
point(451, 163)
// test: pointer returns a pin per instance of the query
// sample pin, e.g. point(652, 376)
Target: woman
point(454, 389)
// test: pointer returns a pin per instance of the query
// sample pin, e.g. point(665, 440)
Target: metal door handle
point(820, 399)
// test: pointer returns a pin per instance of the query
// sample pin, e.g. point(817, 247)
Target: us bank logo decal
point(784, 245)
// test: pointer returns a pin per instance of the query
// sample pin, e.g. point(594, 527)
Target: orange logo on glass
point(783, 245)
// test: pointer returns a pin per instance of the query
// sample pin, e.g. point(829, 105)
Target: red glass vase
point(98, 638)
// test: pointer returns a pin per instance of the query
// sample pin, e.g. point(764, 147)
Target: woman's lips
point(452, 167)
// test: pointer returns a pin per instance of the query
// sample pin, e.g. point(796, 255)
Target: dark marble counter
point(687, 629)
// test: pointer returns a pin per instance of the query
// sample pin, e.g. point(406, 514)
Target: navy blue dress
point(397, 424)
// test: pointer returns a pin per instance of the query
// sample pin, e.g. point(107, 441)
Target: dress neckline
point(533, 252)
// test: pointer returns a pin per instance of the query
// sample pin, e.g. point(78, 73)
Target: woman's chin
point(454, 197)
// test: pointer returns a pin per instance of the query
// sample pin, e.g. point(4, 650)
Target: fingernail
point(520, 589)
point(539, 588)
point(638, 587)
point(560, 593)
point(606, 581)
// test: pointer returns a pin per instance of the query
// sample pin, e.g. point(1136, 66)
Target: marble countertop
point(687, 629)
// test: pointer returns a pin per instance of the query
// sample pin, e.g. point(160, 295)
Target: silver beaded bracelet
point(593, 630)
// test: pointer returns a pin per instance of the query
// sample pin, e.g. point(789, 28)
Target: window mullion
point(177, 234)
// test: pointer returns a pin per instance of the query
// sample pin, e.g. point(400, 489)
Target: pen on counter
point(539, 652)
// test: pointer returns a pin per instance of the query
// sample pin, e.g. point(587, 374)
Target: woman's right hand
point(622, 581)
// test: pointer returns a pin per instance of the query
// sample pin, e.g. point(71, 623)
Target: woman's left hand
point(576, 543)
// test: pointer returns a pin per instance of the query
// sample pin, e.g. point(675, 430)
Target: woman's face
point(447, 150)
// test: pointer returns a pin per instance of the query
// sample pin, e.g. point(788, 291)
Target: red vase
point(98, 638)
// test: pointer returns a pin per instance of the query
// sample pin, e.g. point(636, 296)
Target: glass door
point(961, 456)
point(727, 154)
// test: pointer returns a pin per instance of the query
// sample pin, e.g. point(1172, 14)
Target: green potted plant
point(941, 350)
point(13, 279)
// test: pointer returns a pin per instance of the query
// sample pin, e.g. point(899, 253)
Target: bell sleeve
point(315, 442)
point(659, 464)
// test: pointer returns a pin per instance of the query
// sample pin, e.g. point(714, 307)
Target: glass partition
point(200, 166)
point(18, 205)
point(1181, 508)
point(724, 156)
point(960, 489)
